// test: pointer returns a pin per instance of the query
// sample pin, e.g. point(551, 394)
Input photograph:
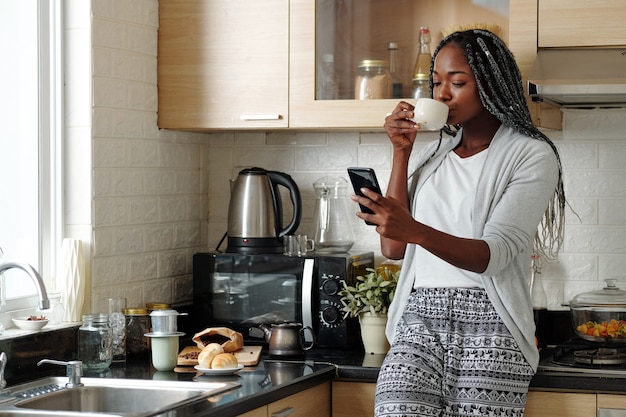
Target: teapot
point(287, 339)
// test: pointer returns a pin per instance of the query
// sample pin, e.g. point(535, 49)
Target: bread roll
point(229, 339)
point(224, 361)
point(205, 358)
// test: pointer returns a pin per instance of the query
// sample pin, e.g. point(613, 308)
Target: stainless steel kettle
point(255, 212)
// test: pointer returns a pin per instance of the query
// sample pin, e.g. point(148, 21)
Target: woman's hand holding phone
point(364, 178)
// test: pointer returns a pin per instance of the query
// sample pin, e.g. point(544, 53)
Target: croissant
point(206, 356)
point(224, 361)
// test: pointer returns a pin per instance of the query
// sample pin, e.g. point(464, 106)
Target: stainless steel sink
point(107, 397)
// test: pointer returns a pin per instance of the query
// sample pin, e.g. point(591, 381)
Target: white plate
point(207, 371)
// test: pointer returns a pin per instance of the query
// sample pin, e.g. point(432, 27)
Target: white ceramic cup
point(430, 114)
point(164, 352)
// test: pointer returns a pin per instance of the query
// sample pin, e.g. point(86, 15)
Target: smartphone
point(364, 177)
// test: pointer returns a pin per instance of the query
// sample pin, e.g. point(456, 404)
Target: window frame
point(50, 150)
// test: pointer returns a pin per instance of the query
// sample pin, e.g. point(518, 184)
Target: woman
point(464, 213)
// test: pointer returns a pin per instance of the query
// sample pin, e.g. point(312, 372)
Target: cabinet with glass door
point(326, 52)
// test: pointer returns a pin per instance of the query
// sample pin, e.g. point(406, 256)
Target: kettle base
point(255, 245)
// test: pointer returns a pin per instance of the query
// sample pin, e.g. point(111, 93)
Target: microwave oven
point(243, 291)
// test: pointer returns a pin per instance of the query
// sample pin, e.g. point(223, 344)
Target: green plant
point(371, 293)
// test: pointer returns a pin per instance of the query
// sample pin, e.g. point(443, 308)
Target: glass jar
point(158, 306)
point(95, 342)
point(137, 325)
point(373, 80)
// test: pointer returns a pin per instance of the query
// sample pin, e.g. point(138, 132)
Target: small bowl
point(25, 324)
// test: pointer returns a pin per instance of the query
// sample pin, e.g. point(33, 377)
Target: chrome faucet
point(74, 371)
point(44, 303)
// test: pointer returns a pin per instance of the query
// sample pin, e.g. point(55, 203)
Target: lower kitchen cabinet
point(258, 412)
point(311, 402)
point(356, 399)
point(560, 404)
point(612, 401)
point(353, 399)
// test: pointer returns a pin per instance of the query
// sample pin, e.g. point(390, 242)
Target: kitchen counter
point(274, 379)
point(267, 382)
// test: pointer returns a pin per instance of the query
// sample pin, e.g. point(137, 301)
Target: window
point(30, 105)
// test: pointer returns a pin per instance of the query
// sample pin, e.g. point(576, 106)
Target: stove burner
point(600, 356)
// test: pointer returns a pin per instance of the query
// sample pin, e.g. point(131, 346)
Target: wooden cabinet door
point(223, 64)
point(560, 404)
point(353, 399)
point(362, 30)
point(311, 402)
point(612, 401)
point(581, 23)
point(257, 412)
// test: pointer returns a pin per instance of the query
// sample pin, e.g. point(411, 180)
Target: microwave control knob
point(330, 286)
point(331, 315)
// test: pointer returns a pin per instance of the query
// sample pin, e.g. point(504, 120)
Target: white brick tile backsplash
point(142, 266)
point(611, 155)
point(576, 155)
point(612, 212)
point(612, 267)
point(316, 158)
point(581, 211)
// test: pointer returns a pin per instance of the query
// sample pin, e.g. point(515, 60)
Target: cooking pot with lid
point(600, 316)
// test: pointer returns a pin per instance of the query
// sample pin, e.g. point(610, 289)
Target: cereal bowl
point(30, 323)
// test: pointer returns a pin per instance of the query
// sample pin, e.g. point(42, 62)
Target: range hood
point(580, 77)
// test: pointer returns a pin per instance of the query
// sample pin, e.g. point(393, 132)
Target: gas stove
point(584, 358)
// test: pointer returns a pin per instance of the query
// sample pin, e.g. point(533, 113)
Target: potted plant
point(369, 299)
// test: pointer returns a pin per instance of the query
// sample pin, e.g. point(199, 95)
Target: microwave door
point(307, 297)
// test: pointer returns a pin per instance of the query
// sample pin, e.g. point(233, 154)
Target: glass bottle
point(396, 80)
point(95, 342)
point(137, 325)
point(373, 80)
point(326, 82)
point(421, 70)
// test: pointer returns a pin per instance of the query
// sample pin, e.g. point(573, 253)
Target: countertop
point(276, 378)
point(273, 378)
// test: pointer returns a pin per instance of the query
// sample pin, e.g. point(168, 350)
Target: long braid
point(501, 92)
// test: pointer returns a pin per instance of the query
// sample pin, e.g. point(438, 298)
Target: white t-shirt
point(445, 202)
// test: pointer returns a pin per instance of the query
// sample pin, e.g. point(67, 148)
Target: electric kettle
point(255, 211)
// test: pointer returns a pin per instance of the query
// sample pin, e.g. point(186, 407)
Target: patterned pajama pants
point(452, 356)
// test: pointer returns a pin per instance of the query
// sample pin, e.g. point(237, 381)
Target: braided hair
point(501, 92)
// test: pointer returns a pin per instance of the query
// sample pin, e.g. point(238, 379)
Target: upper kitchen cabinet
point(245, 64)
point(223, 64)
point(572, 23)
point(343, 33)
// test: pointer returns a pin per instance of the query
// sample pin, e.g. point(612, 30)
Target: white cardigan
point(518, 180)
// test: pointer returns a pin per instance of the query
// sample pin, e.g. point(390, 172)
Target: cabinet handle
point(260, 117)
point(283, 413)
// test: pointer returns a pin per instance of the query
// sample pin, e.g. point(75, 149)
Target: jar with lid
point(157, 306)
point(373, 80)
point(137, 325)
point(95, 342)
